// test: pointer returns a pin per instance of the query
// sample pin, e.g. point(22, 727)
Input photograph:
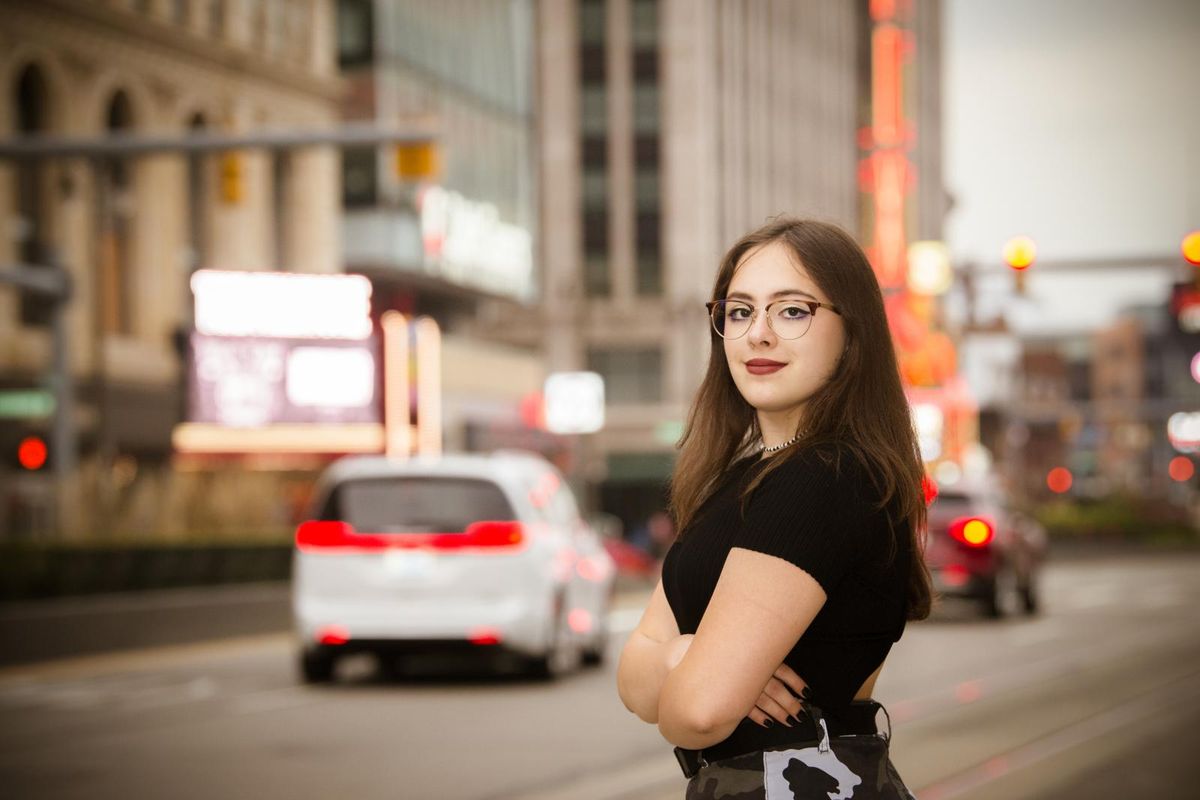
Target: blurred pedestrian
point(798, 498)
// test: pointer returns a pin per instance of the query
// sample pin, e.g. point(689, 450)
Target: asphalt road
point(1096, 698)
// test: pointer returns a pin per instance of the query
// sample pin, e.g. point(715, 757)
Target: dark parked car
point(980, 549)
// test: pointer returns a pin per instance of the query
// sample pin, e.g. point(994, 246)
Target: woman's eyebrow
point(780, 293)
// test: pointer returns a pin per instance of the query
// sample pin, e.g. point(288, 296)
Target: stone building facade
point(130, 232)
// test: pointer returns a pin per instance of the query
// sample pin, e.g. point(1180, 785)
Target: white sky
point(1076, 122)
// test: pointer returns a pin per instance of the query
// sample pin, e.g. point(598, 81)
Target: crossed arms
point(698, 688)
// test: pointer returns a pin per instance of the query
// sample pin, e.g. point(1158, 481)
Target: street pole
point(103, 275)
point(53, 281)
point(64, 448)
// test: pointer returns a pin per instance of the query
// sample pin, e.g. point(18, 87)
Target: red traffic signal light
point(31, 453)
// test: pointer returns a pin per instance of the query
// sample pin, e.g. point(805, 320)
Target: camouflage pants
point(836, 768)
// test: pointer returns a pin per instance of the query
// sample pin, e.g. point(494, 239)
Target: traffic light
point(25, 447)
point(417, 161)
point(32, 453)
point(233, 178)
point(1019, 253)
point(1191, 248)
point(25, 451)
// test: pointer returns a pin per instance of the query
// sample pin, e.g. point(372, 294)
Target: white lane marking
point(147, 692)
point(194, 691)
point(273, 700)
point(1114, 719)
point(148, 658)
point(142, 693)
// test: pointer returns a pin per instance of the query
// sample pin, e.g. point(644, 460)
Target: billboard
point(282, 362)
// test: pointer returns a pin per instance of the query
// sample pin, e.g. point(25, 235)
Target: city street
point(1095, 698)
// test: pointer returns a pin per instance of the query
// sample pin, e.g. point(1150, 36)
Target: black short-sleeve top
point(820, 511)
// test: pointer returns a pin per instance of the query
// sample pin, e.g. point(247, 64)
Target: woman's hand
point(676, 648)
point(779, 700)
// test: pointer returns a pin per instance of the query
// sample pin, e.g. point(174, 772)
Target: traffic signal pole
point(121, 145)
point(54, 282)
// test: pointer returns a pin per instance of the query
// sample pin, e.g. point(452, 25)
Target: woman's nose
point(760, 327)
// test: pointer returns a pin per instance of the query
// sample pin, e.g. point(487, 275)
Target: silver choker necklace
point(762, 448)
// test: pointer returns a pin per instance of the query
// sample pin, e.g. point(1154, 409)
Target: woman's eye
point(794, 312)
point(738, 313)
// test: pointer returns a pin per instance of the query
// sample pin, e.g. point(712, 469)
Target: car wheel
point(1004, 598)
point(563, 655)
point(317, 666)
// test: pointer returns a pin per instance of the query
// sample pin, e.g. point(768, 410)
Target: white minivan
point(480, 552)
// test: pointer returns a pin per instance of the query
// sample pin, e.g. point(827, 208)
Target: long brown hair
point(862, 408)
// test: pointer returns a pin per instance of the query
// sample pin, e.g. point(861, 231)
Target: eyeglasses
point(789, 319)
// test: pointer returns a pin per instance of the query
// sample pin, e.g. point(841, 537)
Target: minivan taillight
point(489, 534)
point(973, 531)
point(319, 535)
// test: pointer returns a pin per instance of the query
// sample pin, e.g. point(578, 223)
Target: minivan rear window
point(416, 505)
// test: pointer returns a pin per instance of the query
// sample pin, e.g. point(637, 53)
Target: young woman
point(798, 499)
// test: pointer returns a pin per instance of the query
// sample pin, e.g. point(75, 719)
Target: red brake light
point(973, 531)
point(333, 634)
point(317, 535)
point(493, 534)
point(484, 636)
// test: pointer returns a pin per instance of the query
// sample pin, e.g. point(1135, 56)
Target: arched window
point(116, 201)
point(31, 98)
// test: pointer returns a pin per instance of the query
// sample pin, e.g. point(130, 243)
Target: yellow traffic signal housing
point(233, 178)
point(1190, 247)
point(417, 161)
point(1019, 253)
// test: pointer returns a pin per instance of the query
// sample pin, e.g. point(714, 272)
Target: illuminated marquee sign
point(283, 305)
point(282, 362)
point(248, 382)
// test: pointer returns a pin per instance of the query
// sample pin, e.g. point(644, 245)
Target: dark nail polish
point(806, 694)
point(792, 720)
point(768, 722)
